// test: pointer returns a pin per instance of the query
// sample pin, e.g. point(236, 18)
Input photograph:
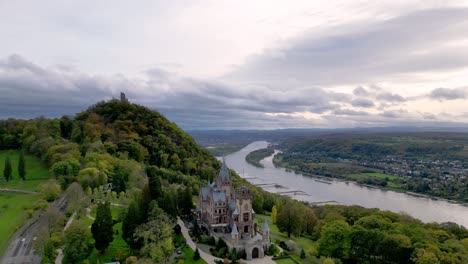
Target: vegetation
point(7, 170)
point(429, 163)
point(21, 166)
point(256, 156)
point(129, 155)
point(14, 211)
point(102, 230)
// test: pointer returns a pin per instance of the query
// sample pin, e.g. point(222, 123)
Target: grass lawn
point(285, 261)
point(187, 257)
point(118, 249)
point(382, 176)
point(301, 242)
point(12, 207)
point(36, 172)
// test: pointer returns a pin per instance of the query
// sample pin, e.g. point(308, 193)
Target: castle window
point(246, 217)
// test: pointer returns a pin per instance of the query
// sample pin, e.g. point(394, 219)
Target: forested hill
point(145, 135)
point(112, 128)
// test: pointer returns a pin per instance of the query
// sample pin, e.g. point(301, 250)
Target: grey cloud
point(349, 112)
point(366, 52)
point(360, 91)
point(394, 113)
point(448, 94)
point(366, 103)
point(390, 97)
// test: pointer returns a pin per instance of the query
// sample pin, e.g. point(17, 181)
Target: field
point(36, 172)
point(12, 210)
point(381, 176)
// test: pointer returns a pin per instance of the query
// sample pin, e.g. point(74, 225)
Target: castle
point(227, 214)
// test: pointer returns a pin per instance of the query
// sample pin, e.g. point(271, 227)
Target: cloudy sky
point(240, 64)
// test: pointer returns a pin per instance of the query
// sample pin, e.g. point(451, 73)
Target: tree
point(7, 171)
point(196, 255)
point(77, 243)
point(50, 190)
point(185, 202)
point(274, 214)
point(102, 230)
point(234, 256)
point(290, 219)
point(154, 182)
point(130, 222)
point(156, 235)
point(334, 239)
point(22, 166)
point(303, 254)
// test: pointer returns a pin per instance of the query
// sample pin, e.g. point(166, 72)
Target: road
point(20, 250)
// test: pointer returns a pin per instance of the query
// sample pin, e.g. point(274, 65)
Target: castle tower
point(234, 235)
point(266, 232)
point(224, 182)
point(246, 214)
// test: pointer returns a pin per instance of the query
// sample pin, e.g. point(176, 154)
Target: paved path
point(59, 258)
point(17, 191)
point(211, 259)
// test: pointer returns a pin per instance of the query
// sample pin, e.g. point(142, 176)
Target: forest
point(118, 153)
point(256, 156)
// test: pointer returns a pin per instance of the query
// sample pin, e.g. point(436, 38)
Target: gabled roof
point(205, 192)
point(219, 196)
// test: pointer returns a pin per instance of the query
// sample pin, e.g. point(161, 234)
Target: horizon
point(237, 65)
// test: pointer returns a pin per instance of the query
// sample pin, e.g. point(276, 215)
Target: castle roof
point(219, 196)
point(205, 192)
point(232, 204)
point(224, 172)
point(234, 230)
point(236, 212)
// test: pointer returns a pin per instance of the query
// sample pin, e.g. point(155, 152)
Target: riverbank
point(256, 156)
point(343, 192)
point(349, 179)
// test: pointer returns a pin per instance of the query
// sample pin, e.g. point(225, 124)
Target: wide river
point(316, 190)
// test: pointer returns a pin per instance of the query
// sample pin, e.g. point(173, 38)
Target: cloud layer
point(407, 68)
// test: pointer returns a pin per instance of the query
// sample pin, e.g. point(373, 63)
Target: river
point(317, 190)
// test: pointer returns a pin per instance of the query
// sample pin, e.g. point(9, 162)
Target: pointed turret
point(234, 234)
point(223, 181)
point(266, 232)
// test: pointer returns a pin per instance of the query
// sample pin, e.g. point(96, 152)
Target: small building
point(227, 214)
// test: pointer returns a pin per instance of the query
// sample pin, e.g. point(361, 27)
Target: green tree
point(303, 254)
point(156, 235)
point(196, 255)
point(77, 243)
point(168, 203)
point(334, 239)
point(22, 166)
point(257, 203)
point(154, 182)
point(234, 256)
point(274, 213)
point(102, 230)
point(7, 171)
point(290, 219)
point(130, 222)
point(185, 202)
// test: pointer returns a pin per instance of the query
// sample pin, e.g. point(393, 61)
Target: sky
point(260, 64)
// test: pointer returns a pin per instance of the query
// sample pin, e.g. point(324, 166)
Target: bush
point(196, 256)
point(283, 245)
point(303, 254)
